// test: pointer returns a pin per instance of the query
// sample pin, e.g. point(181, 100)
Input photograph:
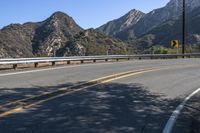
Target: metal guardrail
point(53, 60)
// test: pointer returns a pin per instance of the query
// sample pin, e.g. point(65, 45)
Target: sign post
point(183, 29)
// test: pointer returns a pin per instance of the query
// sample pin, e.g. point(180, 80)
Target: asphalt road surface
point(140, 103)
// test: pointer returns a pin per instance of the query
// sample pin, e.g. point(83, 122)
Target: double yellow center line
point(23, 104)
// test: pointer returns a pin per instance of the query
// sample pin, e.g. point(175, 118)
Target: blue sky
point(87, 13)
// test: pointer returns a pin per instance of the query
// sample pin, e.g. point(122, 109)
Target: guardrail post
point(68, 62)
point(140, 58)
point(36, 64)
point(106, 60)
point(128, 58)
point(94, 60)
point(117, 59)
point(14, 66)
point(82, 61)
point(53, 63)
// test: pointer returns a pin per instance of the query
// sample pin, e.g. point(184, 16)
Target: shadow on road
point(108, 108)
point(9, 95)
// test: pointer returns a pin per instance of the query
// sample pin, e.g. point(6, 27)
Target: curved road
point(140, 103)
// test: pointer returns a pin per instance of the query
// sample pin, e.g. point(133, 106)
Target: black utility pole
point(183, 28)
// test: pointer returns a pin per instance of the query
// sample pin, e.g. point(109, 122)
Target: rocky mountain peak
point(54, 32)
point(60, 20)
point(117, 25)
point(132, 18)
point(133, 11)
point(60, 16)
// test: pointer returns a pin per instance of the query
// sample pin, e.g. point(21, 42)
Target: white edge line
point(47, 69)
point(170, 123)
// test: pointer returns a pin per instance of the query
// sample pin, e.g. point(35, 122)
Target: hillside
point(172, 29)
point(59, 35)
point(160, 26)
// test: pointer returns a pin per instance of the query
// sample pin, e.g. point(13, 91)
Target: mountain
point(92, 42)
point(146, 22)
point(113, 27)
point(58, 35)
point(54, 32)
point(158, 16)
point(37, 39)
point(16, 40)
point(172, 29)
point(159, 26)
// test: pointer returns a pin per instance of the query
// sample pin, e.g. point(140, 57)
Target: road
point(141, 102)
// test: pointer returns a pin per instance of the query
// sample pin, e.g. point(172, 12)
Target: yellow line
point(110, 78)
point(66, 88)
point(20, 109)
point(61, 89)
point(61, 95)
point(17, 110)
point(46, 93)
